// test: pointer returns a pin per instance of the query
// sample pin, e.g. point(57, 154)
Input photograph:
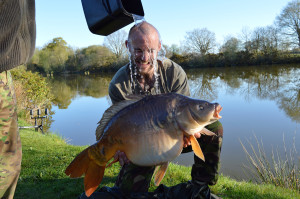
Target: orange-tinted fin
point(112, 162)
point(93, 178)
point(160, 173)
point(196, 147)
point(205, 131)
point(79, 165)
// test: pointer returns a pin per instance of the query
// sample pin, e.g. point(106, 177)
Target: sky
point(172, 18)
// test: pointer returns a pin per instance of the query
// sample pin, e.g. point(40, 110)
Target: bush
point(32, 91)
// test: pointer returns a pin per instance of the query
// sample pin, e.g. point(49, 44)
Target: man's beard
point(139, 71)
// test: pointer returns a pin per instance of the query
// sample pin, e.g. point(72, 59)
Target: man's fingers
point(121, 161)
point(116, 156)
point(186, 142)
point(197, 135)
point(123, 158)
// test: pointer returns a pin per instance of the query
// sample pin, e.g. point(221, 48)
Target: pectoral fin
point(196, 147)
point(93, 178)
point(160, 173)
point(205, 131)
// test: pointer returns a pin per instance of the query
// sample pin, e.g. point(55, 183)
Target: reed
point(280, 170)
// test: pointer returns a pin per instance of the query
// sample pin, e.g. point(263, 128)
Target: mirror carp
point(150, 130)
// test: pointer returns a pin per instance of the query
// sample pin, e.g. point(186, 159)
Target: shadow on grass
point(73, 188)
point(53, 188)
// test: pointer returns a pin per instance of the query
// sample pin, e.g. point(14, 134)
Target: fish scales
point(151, 144)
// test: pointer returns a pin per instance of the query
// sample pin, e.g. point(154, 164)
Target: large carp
point(149, 130)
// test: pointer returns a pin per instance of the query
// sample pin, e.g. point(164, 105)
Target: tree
point(265, 40)
point(230, 48)
point(171, 50)
point(269, 40)
point(52, 57)
point(245, 38)
point(289, 21)
point(231, 45)
point(95, 57)
point(116, 43)
point(200, 41)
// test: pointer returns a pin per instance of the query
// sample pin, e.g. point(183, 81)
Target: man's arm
point(114, 93)
point(176, 78)
point(180, 84)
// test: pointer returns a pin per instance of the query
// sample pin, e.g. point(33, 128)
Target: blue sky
point(173, 18)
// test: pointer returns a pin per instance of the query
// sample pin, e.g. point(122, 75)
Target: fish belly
point(155, 148)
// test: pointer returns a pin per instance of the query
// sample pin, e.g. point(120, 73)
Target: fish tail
point(79, 165)
point(90, 162)
point(93, 178)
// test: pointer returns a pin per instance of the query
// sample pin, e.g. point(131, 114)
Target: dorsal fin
point(109, 113)
point(135, 97)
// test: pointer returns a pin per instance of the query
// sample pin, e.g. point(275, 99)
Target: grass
point(45, 158)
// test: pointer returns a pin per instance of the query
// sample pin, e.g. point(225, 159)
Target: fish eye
point(200, 107)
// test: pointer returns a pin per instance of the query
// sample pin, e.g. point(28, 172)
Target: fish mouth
point(218, 109)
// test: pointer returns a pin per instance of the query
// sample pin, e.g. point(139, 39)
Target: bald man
point(148, 75)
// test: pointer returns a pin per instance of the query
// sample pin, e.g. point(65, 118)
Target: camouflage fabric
point(211, 146)
point(10, 143)
point(133, 178)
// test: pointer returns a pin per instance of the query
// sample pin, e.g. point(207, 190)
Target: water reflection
point(261, 101)
point(66, 88)
point(279, 84)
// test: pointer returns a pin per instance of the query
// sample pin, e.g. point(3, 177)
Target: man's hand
point(121, 157)
point(187, 142)
point(204, 131)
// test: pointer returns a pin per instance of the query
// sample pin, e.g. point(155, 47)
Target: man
point(17, 44)
point(146, 75)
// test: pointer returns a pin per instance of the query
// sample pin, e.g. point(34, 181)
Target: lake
point(261, 102)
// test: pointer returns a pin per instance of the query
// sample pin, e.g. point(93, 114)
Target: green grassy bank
point(45, 158)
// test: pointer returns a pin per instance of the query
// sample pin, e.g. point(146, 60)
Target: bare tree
point(265, 40)
point(245, 38)
point(116, 43)
point(200, 41)
point(256, 39)
point(269, 40)
point(289, 21)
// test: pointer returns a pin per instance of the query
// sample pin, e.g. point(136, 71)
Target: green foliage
point(56, 43)
point(45, 158)
point(181, 59)
point(263, 49)
point(32, 91)
point(52, 58)
point(96, 57)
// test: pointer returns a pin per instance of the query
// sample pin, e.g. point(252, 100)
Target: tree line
point(274, 44)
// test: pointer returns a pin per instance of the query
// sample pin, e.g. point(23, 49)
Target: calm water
point(257, 101)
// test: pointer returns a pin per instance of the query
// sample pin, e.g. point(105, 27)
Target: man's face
point(143, 49)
